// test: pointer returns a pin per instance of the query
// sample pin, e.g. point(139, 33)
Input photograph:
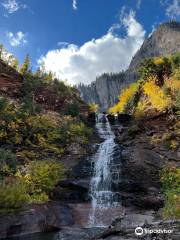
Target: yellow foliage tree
point(125, 98)
point(158, 60)
point(93, 107)
point(156, 95)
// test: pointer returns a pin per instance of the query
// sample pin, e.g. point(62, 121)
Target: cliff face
point(104, 91)
point(10, 80)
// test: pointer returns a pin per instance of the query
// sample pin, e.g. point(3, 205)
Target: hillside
point(163, 41)
point(153, 137)
point(43, 123)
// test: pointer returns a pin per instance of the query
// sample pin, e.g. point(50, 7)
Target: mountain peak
point(165, 40)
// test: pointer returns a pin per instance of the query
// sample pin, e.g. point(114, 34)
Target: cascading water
point(101, 183)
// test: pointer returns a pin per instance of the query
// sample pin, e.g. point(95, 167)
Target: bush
point(40, 177)
point(8, 162)
point(93, 107)
point(155, 94)
point(172, 204)
point(13, 196)
point(170, 178)
point(72, 110)
point(158, 67)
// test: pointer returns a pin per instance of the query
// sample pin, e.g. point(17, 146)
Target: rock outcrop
point(10, 80)
point(38, 218)
point(105, 90)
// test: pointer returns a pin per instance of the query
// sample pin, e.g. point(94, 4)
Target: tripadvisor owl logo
point(139, 231)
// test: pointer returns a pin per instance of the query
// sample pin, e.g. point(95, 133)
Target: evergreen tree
point(25, 68)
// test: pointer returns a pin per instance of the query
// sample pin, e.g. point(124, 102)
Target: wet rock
point(78, 233)
point(133, 220)
point(72, 190)
point(92, 117)
point(124, 118)
point(38, 218)
point(150, 202)
point(111, 118)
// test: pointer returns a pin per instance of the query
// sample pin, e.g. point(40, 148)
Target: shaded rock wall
point(39, 218)
point(10, 80)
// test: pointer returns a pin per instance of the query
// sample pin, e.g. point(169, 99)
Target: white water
point(100, 185)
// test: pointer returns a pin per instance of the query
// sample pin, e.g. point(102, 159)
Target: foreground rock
point(152, 228)
point(39, 218)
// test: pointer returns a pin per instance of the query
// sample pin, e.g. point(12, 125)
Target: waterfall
point(101, 183)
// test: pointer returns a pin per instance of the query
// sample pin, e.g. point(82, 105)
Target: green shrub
point(172, 204)
point(39, 198)
point(170, 178)
point(8, 162)
point(72, 110)
point(177, 103)
point(13, 196)
point(40, 177)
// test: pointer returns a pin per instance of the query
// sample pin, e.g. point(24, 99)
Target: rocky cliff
point(10, 80)
point(104, 91)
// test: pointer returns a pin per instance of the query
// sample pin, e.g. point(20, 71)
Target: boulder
point(36, 219)
point(111, 118)
point(91, 117)
point(124, 118)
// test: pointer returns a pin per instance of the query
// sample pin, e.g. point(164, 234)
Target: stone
point(35, 219)
point(111, 118)
point(91, 117)
point(124, 118)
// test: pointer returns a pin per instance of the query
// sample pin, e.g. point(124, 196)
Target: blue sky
point(80, 39)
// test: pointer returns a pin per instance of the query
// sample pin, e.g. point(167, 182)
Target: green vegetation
point(8, 163)
point(170, 178)
point(35, 132)
point(126, 99)
point(157, 90)
point(155, 97)
point(93, 107)
point(13, 196)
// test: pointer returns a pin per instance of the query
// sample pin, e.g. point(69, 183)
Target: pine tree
point(25, 68)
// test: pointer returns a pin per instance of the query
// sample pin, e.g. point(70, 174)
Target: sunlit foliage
point(40, 177)
point(125, 99)
point(36, 130)
point(170, 178)
point(93, 107)
point(155, 94)
point(157, 90)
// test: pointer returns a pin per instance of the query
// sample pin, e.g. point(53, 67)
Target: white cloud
point(110, 53)
point(173, 9)
point(16, 39)
point(74, 4)
point(12, 6)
